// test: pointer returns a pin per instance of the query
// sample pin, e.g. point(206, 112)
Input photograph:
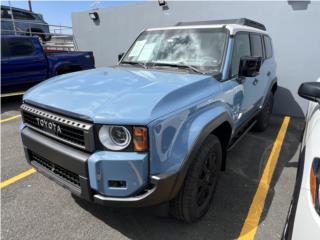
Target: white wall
point(293, 26)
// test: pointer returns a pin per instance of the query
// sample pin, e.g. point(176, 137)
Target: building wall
point(293, 26)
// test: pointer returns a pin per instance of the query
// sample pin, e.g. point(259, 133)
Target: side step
point(241, 134)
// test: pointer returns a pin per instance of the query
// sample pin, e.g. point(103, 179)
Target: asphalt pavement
point(34, 207)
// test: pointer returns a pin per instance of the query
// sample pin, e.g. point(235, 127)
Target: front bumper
point(80, 173)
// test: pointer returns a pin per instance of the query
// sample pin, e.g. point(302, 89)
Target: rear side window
point(5, 14)
point(256, 45)
point(241, 49)
point(268, 46)
point(4, 49)
point(22, 15)
point(20, 47)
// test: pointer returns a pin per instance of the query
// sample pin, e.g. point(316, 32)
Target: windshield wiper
point(141, 64)
point(193, 68)
point(179, 65)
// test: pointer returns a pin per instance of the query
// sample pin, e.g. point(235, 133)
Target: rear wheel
point(195, 196)
point(263, 119)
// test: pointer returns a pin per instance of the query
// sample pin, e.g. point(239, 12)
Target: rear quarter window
point(22, 15)
point(20, 47)
point(268, 46)
point(5, 14)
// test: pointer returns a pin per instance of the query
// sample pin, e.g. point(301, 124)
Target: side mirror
point(249, 66)
point(120, 56)
point(310, 91)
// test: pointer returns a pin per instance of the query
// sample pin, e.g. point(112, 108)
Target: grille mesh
point(56, 169)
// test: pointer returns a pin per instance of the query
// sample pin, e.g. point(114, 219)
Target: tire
point(263, 118)
point(195, 196)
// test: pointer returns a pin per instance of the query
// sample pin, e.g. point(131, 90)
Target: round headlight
point(114, 137)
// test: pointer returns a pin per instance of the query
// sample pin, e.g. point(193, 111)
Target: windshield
point(201, 48)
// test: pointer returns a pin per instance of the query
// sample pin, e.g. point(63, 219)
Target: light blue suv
point(157, 126)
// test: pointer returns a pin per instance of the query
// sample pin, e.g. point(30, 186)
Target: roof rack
point(240, 21)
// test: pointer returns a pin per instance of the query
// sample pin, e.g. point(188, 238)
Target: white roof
point(233, 28)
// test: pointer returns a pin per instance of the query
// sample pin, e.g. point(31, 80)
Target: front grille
point(59, 171)
point(68, 130)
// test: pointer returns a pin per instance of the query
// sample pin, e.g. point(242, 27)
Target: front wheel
point(195, 196)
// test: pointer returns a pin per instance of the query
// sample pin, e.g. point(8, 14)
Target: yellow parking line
point(251, 223)
point(10, 118)
point(11, 94)
point(17, 178)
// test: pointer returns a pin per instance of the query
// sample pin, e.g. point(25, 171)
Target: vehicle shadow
point(232, 200)
point(285, 103)
point(13, 103)
point(10, 103)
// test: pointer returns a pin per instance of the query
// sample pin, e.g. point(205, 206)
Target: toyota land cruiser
point(157, 126)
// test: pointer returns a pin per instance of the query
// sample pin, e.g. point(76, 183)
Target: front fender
point(175, 140)
point(205, 123)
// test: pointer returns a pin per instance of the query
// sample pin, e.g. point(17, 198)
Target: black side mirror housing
point(310, 91)
point(120, 56)
point(249, 66)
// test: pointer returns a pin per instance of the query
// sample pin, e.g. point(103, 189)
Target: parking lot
point(34, 207)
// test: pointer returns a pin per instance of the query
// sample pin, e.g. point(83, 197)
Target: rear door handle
point(269, 73)
point(255, 82)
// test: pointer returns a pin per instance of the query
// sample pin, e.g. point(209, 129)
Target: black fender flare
point(274, 82)
point(206, 131)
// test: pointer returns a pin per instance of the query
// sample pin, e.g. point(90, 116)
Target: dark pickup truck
point(24, 62)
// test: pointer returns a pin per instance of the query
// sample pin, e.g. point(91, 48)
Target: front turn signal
point(140, 139)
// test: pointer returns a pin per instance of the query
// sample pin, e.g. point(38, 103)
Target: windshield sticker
point(146, 52)
point(138, 46)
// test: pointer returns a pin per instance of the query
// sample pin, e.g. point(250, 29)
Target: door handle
point(255, 82)
point(269, 73)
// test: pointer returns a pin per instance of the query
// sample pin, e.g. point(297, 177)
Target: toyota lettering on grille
point(50, 126)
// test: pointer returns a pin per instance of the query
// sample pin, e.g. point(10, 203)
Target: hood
point(118, 95)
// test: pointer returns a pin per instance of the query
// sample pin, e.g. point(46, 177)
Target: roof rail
point(240, 21)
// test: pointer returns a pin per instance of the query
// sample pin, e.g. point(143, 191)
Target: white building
point(293, 26)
